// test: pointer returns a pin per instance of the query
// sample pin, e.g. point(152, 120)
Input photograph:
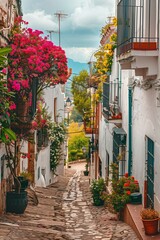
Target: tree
point(77, 140)
point(82, 99)
point(34, 58)
point(34, 63)
point(75, 116)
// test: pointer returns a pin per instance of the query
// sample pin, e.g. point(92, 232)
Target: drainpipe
point(129, 130)
point(119, 83)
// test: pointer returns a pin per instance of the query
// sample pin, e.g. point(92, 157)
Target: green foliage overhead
point(82, 100)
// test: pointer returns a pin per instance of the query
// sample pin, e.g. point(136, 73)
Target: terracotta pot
point(151, 226)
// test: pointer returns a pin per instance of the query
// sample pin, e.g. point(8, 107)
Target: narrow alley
point(65, 212)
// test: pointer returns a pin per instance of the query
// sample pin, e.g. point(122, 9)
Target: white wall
point(24, 161)
point(43, 157)
point(146, 123)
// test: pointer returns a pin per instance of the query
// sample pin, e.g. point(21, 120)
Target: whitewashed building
point(135, 140)
point(54, 98)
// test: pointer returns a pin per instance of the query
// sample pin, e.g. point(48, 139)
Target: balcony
point(111, 102)
point(89, 129)
point(137, 43)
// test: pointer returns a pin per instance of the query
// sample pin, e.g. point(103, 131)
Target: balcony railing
point(89, 129)
point(111, 100)
point(138, 25)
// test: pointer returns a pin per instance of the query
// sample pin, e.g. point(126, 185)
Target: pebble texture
point(65, 212)
point(87, 222)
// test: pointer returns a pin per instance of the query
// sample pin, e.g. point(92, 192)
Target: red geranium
point(126, 184)
point(126, 175)
point(128, 192)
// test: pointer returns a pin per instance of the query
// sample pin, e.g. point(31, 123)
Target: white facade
point(139, 71)
point(54, 99)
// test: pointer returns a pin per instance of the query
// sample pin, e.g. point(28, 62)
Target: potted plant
point(25, 179)
point(16, 199)
point(86, 172)
point(97, 188)
point(150, 219)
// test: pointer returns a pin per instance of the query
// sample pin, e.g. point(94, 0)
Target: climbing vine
point(104, 57)
point(57, 133)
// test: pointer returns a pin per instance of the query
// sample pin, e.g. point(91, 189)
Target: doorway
point(150, 172)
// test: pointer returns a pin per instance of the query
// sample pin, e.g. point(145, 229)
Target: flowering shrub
point(104, 58)
point(56, 132)
point(121, 190)
point(42, 117)
point(33, 56)
point(97, 188)
point(34, 64)
point(105, 55)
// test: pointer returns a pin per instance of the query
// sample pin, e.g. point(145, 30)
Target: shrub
point(121, 190)
point(115, 201)
point(80, 155)
point(73, 155)
point(97, 188)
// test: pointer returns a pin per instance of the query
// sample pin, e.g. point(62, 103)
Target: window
point(111, 100)
point(119, 149)
point(42, 138)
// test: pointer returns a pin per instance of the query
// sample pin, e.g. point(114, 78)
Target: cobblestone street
point(65, 212)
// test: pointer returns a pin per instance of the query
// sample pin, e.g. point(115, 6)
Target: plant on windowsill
point(97, 188)
point(150, 219)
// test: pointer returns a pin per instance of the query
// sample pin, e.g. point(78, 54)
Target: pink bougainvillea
point(42, 117)
point(34, 57)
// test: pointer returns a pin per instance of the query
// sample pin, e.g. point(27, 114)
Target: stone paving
point(65, 212)
point(87, 222)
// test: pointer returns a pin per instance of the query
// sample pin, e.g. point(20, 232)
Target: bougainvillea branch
point(34, 57)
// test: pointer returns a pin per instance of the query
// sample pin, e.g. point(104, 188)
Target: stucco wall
point(42, 165)
point(146, 122)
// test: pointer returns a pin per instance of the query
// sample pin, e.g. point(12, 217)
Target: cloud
point(40, 20)
point(80, 30)
point(89, 16)
point(83, 55)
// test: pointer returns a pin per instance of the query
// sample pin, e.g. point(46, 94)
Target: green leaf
point(4, 51)
point(10, 133)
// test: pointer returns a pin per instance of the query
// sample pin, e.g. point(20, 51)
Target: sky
point(80, 29)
